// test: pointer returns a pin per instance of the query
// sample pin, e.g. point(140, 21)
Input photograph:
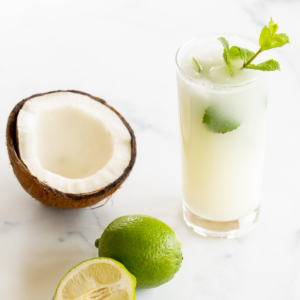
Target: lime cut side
point(97, 279)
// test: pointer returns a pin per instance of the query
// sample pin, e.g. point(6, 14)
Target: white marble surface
point(123, 51)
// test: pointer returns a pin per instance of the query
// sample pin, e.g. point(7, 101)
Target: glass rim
point(243, 36)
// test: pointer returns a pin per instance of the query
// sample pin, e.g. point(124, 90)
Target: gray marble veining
point(123, 51)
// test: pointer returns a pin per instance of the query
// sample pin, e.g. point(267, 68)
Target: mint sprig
point(277, 40)
point(226, 54)
point(217, 122)
point(214, 118)
point(268, 40)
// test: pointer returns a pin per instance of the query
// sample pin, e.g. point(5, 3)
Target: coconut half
point(69, 149)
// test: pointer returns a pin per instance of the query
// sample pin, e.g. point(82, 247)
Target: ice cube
point(219, 73)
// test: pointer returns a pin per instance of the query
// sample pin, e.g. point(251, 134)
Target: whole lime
point(147, 247)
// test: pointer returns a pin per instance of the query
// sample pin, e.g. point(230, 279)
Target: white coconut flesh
point(72, 143)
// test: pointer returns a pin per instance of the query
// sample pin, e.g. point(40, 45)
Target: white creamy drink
point(223, 124)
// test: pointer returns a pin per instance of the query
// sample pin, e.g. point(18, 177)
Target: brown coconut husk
point(44, 193)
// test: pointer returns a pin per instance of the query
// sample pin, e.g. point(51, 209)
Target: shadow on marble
point(41, 273)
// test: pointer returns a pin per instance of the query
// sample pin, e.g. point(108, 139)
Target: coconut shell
point(46, 194)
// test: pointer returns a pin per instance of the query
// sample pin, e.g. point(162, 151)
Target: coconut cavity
point(73, 143)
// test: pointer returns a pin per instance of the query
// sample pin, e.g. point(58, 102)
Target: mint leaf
point(226, 55)
point(197, 65)
point(268, 40)
point(269, 65)
point(279, 40)
point(273, 27)
point(246, 54)
point(265, 39)
point(234, 52)
point(238, 52)
point(217, 122)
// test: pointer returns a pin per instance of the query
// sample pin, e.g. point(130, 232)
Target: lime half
point(97, 278)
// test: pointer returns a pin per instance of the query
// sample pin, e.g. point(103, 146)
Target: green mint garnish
point(226, 54)
point(279, 40)
point(238, 52)
point(269, 65)
point(268, 40)
point(273, 27)
point(217, 122)
point(197, 65)
point(265, 39)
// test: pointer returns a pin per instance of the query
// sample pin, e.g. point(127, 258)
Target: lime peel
point(146, 246)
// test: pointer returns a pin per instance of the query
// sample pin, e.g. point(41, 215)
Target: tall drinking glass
point(222, 173)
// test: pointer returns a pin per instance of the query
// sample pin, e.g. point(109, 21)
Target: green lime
point(147, 247)
point(97, 278)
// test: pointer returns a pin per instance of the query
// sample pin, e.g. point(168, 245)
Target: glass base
point(216, 229)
